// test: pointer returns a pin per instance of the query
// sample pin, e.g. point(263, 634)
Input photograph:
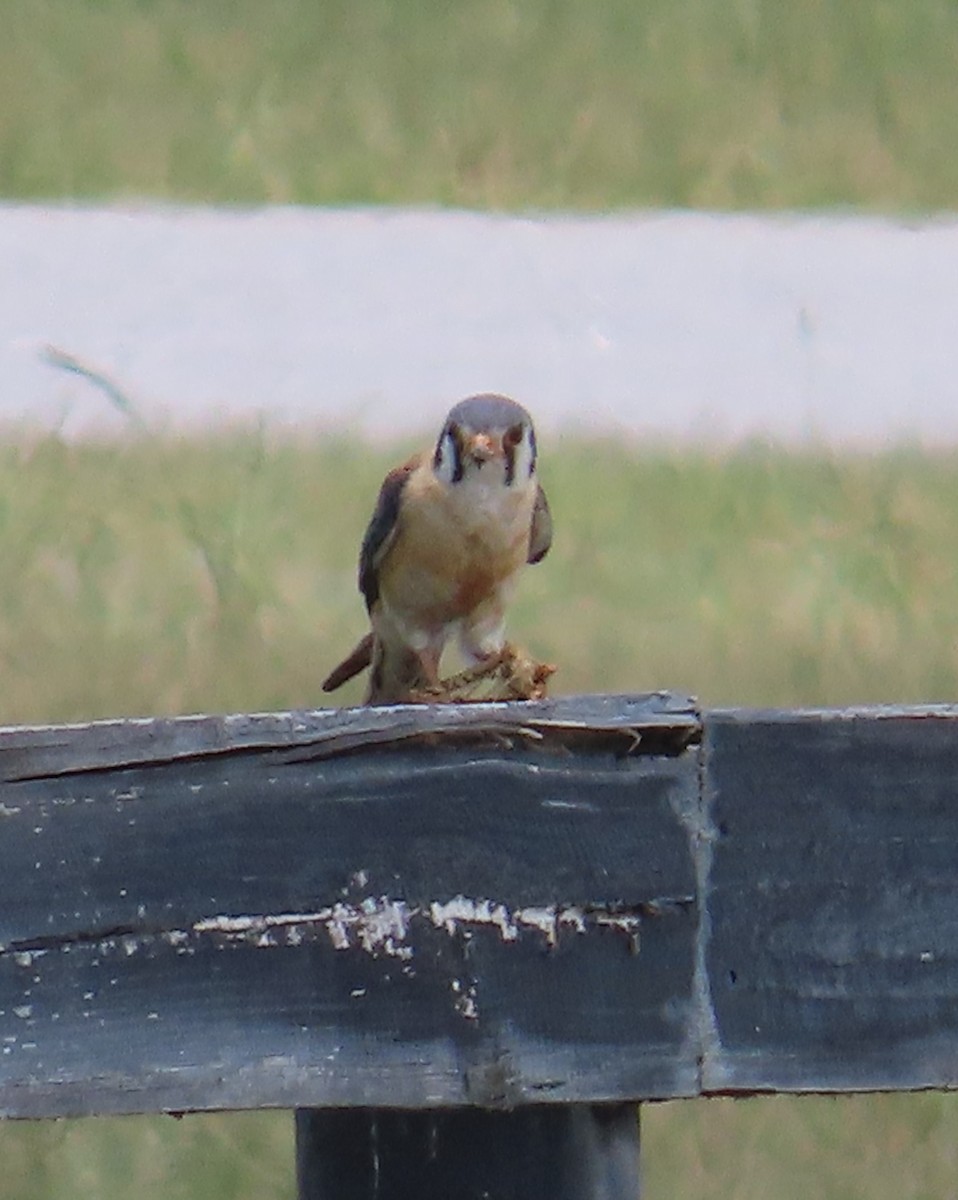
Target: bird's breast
point(456, 549)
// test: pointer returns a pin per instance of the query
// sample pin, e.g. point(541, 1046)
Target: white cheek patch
point(523, 458)
point(447, 459)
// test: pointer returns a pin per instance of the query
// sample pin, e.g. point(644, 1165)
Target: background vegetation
point(488, 103)
point(164, 576)
point(159, 575)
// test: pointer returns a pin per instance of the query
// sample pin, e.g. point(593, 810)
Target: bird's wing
point(540, 532)
point(381, 530)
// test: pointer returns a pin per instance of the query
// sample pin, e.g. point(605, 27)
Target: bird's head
point(486, 437)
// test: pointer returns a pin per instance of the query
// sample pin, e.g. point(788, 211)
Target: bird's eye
point(513, 436)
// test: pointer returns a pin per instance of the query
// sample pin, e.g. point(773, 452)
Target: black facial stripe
point(457, 452)
point(512, 439)
point(455, 438)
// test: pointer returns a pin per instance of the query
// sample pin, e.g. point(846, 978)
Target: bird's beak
point(481, 448)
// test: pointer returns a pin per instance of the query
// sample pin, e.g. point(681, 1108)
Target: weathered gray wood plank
point(833, 899)
point(597, 899)
point(39, 751)
point(428, 923)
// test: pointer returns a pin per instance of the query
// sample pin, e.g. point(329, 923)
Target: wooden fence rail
point(465, 941)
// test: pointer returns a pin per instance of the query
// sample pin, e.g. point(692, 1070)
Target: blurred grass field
point(491, 103)
point(158, 575)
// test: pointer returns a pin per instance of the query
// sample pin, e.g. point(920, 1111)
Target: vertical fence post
point(540, 1152)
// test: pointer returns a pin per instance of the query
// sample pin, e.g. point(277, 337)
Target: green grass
point(159, 576)
point(165, 576)
point(233, 1156)
point(491, 103)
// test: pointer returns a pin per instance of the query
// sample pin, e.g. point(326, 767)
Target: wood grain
point(580, 901)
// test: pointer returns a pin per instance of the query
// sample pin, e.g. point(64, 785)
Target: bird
point(451, 531)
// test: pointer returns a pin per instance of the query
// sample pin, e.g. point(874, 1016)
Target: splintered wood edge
point(31, 752)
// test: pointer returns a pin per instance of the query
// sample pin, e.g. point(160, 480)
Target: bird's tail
point(357, 660)
point(394, 673)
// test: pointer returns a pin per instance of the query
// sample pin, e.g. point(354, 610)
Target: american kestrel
point(449, 535)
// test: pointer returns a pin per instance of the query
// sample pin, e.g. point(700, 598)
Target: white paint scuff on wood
point(381, 925)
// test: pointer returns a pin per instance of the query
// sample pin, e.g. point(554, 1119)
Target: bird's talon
point(509, 674)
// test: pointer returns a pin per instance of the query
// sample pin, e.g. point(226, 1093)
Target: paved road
point(664, 324)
